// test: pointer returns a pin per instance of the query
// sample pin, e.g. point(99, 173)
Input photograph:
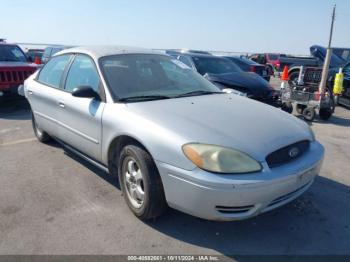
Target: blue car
point(248, 65)
point(228, 76)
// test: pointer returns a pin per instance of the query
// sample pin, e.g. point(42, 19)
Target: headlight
point(220, 159)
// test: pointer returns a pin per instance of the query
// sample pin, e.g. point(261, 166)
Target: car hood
point(224, 119)
point(320, 53)
point(4, 64)
point(243, 80)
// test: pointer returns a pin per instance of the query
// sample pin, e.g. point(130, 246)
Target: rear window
point(215, 65)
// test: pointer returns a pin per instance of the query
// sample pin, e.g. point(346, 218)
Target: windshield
point(11, 53)
point(215, 65)
point(148, 76)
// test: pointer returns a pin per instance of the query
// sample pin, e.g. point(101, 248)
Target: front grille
point(287, 154)
point(233, 210)
point(312, 75)
point(14, 76)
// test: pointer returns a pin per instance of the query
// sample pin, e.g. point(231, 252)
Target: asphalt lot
point(51, 202)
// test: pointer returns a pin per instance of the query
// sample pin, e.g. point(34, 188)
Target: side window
point(52, 72)
point(186, 61)
point(82, 73)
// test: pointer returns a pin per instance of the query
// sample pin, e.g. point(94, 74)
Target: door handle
point(61, 104)
point(30, 92)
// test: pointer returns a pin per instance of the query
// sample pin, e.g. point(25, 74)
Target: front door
point(81, 117)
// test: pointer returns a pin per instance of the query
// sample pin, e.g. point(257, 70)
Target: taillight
point(253, 69)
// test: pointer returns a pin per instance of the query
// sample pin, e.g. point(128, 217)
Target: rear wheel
point(40, 134)
point(141, 183)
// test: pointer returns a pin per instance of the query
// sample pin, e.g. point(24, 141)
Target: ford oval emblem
point(293, 152)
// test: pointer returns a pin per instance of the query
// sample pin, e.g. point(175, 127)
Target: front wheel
point(40, 134)
point(141, 183)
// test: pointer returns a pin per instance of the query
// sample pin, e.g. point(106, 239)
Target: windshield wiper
point(142, 98)
point(198, 93)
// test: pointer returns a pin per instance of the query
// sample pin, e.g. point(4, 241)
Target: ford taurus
point(170, 136)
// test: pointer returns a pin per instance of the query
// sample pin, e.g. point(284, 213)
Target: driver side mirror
point(85, 92)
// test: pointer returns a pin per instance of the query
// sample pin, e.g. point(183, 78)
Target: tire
point(300, 108)
point(293, 78)
point(287, 107)
point(309, 114)
point(141, 183)
point(41, 135)
point(325, 113)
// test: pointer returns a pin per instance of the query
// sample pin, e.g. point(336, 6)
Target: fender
point(293, 69)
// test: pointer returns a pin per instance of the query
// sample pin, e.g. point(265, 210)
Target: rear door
point(81, 117)
point(45, 92)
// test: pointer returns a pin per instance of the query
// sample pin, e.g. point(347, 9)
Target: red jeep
point(15, 67)
point(269, 59)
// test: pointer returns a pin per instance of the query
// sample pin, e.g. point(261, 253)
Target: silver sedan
point(170, 136)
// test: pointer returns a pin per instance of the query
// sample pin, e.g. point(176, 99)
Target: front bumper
point(235, 197)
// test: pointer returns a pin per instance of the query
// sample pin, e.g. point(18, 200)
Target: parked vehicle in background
point(318, 55)
point(268, 59)
point(34, 54)
point(312, 77)
point(248, 65)
point(181, 51)
point(227, 75)
point(50, 51)
point(170, 136)
point(306, 96)
point(15, 67)
point(344, 98)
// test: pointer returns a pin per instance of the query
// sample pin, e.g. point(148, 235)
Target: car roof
point(243, 60)
point(9, 44)
point(196, 55)
point(35, 50)
point(101, 51)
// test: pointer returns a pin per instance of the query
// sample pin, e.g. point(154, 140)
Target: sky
point(285, 26)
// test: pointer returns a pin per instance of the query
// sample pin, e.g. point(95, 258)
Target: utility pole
point(323, 83)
